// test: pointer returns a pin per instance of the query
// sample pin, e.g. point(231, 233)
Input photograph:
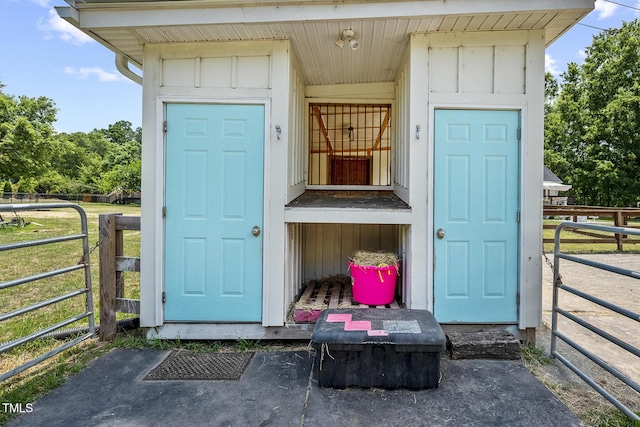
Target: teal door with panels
point(214, 212)
point(476, 216)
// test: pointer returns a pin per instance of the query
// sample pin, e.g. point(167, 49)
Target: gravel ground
point(620, 290)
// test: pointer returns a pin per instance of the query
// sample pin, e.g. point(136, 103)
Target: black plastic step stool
point(375, 347)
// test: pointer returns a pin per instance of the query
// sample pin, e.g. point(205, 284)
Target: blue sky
point(41, 55)
point(571, 46)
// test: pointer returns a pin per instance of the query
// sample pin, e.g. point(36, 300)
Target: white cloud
point(581, 55)
point(56, 26)
point(605, 9)
point(550, 65)
point(84, 73)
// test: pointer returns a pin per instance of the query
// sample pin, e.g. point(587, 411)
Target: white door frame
point(522, 270)
point(159, 196)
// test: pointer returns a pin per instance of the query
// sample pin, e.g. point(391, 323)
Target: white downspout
point(122, 64)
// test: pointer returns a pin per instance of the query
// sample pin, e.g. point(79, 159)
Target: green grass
point(609, 417)
point(534, 356)
point(29, 385)
point(584, 402)
point(587, 248)
point(33, 260)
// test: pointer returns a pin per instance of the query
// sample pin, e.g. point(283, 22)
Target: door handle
point(255, 230)
point(440, 233)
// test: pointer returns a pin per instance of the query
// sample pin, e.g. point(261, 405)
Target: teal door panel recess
point(476, 209)
point(214, 212)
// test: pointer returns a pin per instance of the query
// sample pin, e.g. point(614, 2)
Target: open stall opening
point(349, 145)
point(322, 253)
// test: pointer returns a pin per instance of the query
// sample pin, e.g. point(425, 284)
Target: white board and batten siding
point(220, 72)
point(402, 135)
point(296, 181)
point(227, 72)
point(484, 70)
point(297, 149)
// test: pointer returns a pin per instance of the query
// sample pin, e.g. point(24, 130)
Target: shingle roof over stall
point(383, 27)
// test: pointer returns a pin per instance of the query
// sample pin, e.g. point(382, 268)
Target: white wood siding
point(297, 151)
point(378, 92)
point(294, 262)
point(257, 72)
point(218, 72)
point(327, 247)
point(400, 146)
point(484, 70)
point(477, 63)
point(492, 70)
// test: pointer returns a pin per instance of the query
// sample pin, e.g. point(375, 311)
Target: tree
point(33, 157)
point(592, 130)
point(551, 90)
point(121, 132)
point(26, 131)
point(101, 161)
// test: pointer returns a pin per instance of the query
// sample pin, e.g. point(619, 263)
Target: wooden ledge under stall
point(366, 207)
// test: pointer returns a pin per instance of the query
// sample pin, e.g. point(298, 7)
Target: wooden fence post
point(118, 235)
point(107, 244)
point(618, 221)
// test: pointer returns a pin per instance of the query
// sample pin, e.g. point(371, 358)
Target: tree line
point(592, 121)
point(35, 158)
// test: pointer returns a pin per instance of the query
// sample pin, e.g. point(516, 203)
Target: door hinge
point(164, 297)
point(518, 217)
point(164, 212)
point(164, 126)
point(518, 298)
point(519, 132)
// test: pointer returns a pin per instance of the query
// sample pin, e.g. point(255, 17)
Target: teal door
point(476, 209)
point(214, 210)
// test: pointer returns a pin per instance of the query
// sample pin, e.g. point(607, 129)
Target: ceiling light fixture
point(349, 35)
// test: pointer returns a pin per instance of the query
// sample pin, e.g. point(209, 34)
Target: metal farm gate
point(557, 311)
point(85, 290)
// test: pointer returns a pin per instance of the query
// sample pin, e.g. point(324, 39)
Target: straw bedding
point(374, 258)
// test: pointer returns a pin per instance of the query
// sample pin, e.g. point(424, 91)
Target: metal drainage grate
point(185, 365)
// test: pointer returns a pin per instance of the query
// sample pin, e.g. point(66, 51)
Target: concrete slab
point(281, 389)
point(471, 393)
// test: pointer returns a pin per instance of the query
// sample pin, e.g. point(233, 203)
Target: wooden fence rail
point(113, 264)
point(619, 216)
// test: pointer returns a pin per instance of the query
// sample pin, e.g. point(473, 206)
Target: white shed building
point(279, 136)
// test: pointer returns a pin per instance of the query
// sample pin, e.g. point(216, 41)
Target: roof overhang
point(383, 27)
point(547, 185)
